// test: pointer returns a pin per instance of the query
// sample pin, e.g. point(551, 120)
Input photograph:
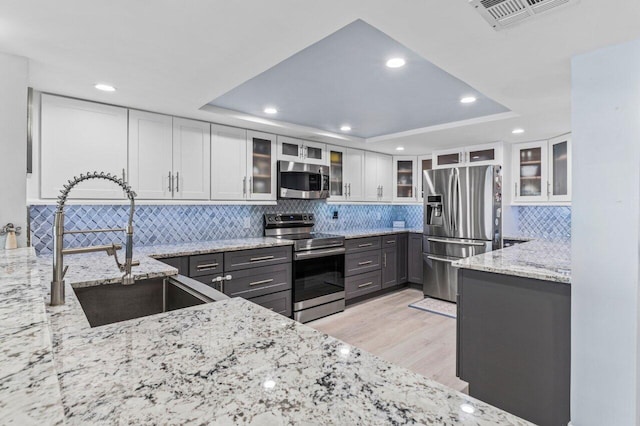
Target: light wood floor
point(385, 326)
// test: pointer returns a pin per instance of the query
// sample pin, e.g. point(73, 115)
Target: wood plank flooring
point(385, 326)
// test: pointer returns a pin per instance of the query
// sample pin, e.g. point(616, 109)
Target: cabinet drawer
point(389, 240)
point(235, 260)
point(362, 244)
point(255, 282)
point(279, 302)
point(360, 263)
point(362, 284)
point(205, 264)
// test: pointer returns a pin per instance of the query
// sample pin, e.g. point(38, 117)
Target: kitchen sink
point(108, 304)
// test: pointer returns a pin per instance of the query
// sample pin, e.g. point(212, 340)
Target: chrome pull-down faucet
point(59, 271)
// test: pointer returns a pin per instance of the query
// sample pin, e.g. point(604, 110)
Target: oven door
point(318, 277)
point(302, 181)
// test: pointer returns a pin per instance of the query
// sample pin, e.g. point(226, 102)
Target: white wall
point(605, 257)
point(13, 142)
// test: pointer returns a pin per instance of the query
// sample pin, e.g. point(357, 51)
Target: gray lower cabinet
point(243, 259)
point(279, 302)
point(402, 252)
point(514, 344)
point(254, 282)
point(181, 263)
point(389, 267)
point(414, 258)
point(359, 285)
point(206, 264)
point(361, 262)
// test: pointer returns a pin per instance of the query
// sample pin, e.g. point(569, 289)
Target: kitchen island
point(514, 329)
point(228, 362)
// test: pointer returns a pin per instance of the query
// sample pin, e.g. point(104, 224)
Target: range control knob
point(310, 217)
point(270, 219)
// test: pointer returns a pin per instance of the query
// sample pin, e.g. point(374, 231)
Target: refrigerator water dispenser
point(434, 210)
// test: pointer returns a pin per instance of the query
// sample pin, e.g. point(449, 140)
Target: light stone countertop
point(373, 232)
point(229, 362)
point(538, 259)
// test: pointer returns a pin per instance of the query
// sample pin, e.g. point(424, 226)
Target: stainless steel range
point(318, 267)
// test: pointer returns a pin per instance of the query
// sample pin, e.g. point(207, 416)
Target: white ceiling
point(342, 79)
point(174, 57)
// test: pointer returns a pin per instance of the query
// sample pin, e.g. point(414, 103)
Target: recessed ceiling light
point(517, 131)
point(105, 87)
point(345, 128)
point(396, 62)
point(400, 148)
point(270, 110)
point(468, 100)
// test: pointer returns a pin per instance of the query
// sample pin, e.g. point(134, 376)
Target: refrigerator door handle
point(442, 240)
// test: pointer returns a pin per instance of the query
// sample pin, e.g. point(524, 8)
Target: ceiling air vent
point(504, 13)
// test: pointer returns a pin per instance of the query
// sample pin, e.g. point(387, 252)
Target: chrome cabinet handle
point(207, 266)
point(385, 259)
point(244, 186)
point(365, 245)
point(261, 259)
point(365, 284)
point(177, 181)
point(170, 182)
point(250, 188)
point(349, 190)
point(368, 262)
point(345, 189)
point(261, 282)
point(391, 242)
point(381, 191)
point(124, 176)
point(516, 189)
point(548, 189)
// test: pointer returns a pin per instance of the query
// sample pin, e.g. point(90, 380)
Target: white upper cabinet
point(425, 163)
point(560, 173)
point(542, 171)
point(261, 166)
point(79, 137)
point(405, 178)
point(354, 174)
point(301, 151)
point(378, 179)
point(477, 155)
point(338, 187)
point(150, 155)
point(168, 157)
point(228, 163)
point(191, 159)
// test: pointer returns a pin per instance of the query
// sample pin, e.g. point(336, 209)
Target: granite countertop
point(542, 260)
point(373, 232)
point(228, 362)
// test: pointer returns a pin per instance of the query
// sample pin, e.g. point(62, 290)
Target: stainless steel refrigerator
point(462, 217)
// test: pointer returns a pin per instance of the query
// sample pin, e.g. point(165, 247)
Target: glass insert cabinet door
point(559, 185)
point(425, 163)
point(336, 182)
point(262, 166)
point(405, 187)
point(531, 171)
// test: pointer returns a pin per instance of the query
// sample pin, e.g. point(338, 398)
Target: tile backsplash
point(166, 224)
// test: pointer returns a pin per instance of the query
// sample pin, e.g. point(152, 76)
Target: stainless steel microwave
point(302, 181)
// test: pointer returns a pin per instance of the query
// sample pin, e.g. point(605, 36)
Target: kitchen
point(220, 199)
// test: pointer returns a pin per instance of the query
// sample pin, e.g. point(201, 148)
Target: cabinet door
point(415, 258)
point(559, 185)
point(290, 149)
point(191, 159)
point(371, 183)
point(261, 161)
point(228, 163)
point(389, 267)
point(314, 153)
point(481, 155)
point(337, 185)
point(402, 260)
point(530, 171)
point(354, 174)
point(150, 155)
point(425, 163)
point(79, 137)
point(385, 177)
point(405, 185)
point(448, 158)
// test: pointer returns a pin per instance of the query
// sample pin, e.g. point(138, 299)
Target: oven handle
point(312, 254)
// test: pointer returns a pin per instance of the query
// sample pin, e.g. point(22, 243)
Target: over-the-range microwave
point(302, 181)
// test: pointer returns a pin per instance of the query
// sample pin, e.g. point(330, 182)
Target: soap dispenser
point(11, 231)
